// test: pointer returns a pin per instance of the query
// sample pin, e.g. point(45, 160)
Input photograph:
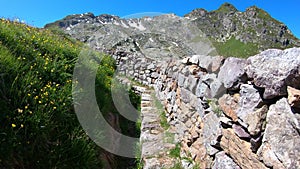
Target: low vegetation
point(236, 48)
point(39, 128)
point(175, 152)
point(162, 114)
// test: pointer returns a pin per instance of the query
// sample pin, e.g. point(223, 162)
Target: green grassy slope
point(38, 126)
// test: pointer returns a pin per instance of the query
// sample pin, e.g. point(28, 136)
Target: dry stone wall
point(229, 113)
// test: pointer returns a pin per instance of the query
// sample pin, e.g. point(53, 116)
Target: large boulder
point(210, 87)
point(202, 90)
point(274, 70)
point(208, 63)
point(222, 161)
point(211, 132)
point(229, 105)
point(239, 150)
point(281, 141)
point(249, 102)
point(191, 83)
point(232, 72)
point(293, 97)
point(255, 120)
point(185, 95)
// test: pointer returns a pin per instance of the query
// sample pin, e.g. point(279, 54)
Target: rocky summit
point(222, 112)
point(225, 31)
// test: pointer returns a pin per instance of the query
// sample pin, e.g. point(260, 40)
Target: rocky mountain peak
point(107, 18)
point(255, 11)
point(229, 31)
point(199, 12)
point(227, 8)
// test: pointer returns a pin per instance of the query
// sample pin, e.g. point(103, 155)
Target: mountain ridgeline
point(225, 31)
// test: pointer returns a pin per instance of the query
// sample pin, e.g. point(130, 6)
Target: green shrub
point(175, 152)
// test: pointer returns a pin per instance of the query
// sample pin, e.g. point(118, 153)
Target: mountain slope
point(225, 31)
point(254, 27)
point(39, 127)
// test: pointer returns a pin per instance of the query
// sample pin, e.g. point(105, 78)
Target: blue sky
point(39, 13)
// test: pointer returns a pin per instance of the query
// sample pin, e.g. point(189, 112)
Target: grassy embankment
point(39, 128)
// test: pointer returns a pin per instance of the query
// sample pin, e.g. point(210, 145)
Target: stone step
point(148, 109)
point(146, 99)
point(152, 136)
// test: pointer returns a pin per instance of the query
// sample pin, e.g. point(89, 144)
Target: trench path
point(156, 142)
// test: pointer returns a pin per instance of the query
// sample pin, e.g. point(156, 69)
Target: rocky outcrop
point(281, 141)
point(254, 26)
point(274, 70)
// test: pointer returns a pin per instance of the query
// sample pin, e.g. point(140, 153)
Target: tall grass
point(39, 128)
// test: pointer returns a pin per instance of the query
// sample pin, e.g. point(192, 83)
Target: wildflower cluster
point(39, 128)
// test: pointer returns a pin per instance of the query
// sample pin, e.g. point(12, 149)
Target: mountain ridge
point(244, 33)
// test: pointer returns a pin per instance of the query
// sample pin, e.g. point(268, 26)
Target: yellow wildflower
point(13, 125)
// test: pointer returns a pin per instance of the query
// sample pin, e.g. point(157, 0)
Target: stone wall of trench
point(229, 113)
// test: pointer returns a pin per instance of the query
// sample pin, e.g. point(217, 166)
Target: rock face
point(211, 132)
point(252, 26)
point(281, 141)
point(274, 70)
point(208, 63)
point(255, 120)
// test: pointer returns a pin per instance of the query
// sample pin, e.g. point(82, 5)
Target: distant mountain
point(225, 31)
